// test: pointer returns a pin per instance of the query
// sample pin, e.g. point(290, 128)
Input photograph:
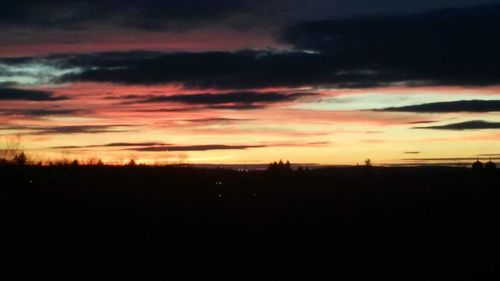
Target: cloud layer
point(452, 106)
point(231, 80)
point(156, 15)
point(232, 100)
point(144, 15)
point(27, 95)
point(71, 129)
point(445, 47)
point(469, 125)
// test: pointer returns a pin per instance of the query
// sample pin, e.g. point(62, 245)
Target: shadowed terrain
point(427, 222)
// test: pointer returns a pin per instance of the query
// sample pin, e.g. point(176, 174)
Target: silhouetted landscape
point(210, 136)
point(432, 222)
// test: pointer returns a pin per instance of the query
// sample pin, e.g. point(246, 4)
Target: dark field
point(413, 223)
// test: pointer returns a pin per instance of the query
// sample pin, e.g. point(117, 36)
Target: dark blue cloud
point(452, 106)
point(469, 125)
point(155, 15)
point(445, 47)
point(142, 15)
point(28, 95)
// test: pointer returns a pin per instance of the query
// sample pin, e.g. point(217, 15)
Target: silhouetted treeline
point(277, 167)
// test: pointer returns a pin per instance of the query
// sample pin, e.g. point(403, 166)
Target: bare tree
point(20, 159)
point(91, 161)
point(12, 146)
point(65, 157)
point(12, 153)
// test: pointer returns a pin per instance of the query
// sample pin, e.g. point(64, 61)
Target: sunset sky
point(252, 81)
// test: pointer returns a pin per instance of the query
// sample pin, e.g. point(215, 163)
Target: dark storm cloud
point(224, 70)
point(181, 14)
point(143, 15)
point(452, 106)
point(236, 70)
point(27, 95)
point(445, 47)
point(469, 125)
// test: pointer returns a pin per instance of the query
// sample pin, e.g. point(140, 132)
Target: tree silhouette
point(279, 166)
point(20, 159)
point(12, 152)
point(490, 165)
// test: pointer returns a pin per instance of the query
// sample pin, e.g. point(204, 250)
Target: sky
point(251, 82)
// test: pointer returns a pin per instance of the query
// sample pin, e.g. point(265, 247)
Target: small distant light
point(31, 181)
point(220, 195)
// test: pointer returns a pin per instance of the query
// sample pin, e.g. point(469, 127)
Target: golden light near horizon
point(214, 89)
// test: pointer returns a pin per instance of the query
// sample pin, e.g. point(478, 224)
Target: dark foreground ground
point(402, 223)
